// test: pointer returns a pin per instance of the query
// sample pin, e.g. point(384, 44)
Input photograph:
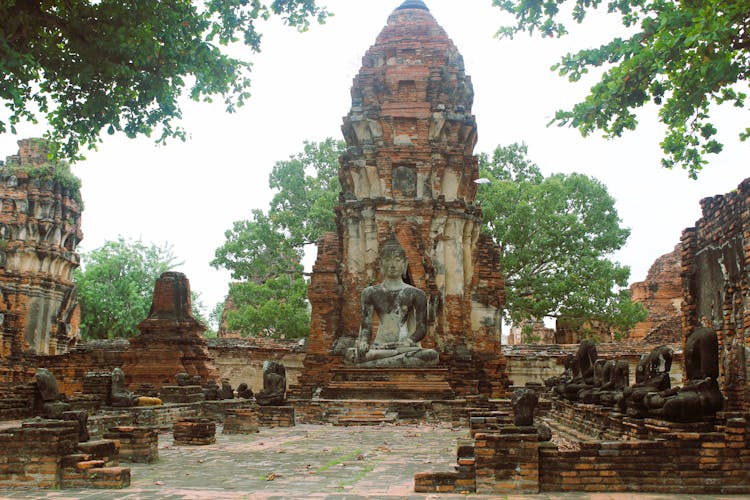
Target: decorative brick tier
point(137, 444)
point(587, 421)
point(194, 432)
point(241, 421)
point(389, 383)
point(276, 416)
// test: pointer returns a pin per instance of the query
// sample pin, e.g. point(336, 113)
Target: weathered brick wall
point(661, 295)
point(32, 457)
point(40, 228)
point(678, 463)
point(716, 285)
point(241, 360)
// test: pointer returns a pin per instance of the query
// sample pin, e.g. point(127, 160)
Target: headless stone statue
point(700, 397)
point(402, 318)
point(50, 404)
point(523, 403)
point(120, 397)
point(226, 391)
point(274, 385)
point(583, 371)
point(619, 379)
point(244, 392)
point(211, 391)
point(651, 375)
point(565, 377)
point(49, 401)
point(590, 395)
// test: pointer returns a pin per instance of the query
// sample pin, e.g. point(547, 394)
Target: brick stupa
point(40, 228)
point(171, 339)
point(410, 170)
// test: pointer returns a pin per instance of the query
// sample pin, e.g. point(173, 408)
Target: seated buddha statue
point(401, 310)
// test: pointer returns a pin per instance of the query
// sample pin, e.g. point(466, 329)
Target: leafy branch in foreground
point(686, 57)
point(86, 66)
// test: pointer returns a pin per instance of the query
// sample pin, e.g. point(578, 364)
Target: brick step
point(364, 417)
point(93, 474)
point(101, 449)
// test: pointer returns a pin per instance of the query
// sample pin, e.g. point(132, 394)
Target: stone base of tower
point(389, 383)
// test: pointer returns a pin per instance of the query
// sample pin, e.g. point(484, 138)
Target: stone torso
point(395, 310)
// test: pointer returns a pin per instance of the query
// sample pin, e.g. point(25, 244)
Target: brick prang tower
point(409, 170)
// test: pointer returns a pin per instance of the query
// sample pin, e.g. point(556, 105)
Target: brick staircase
point(96, 465)
point(81, 471)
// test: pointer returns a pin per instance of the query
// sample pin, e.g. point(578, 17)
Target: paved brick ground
point(307, 461)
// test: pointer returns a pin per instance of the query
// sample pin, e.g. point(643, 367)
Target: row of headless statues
point(596, 381)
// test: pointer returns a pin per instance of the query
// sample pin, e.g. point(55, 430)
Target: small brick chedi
point(409, 173)
point(40, 227)
point(171, 339)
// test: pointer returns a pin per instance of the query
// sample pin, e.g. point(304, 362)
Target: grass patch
point(336, 461)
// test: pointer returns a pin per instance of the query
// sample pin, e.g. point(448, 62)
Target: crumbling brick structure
point(716, 285)
point(171, 339)
point(40, 228)
point(409, 170)
point(661, 295)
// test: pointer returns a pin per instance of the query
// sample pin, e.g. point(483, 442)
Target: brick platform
point(137, 444)
point(194, 432)
point(241, 421)
point(276, 416)
point(389, 383)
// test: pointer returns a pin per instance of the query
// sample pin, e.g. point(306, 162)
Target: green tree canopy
point(87, 66)
point(116, 286)
point(555, 236)
point(264, 253)
point(685, 56)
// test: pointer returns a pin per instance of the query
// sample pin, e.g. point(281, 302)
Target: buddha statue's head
point(392, 259)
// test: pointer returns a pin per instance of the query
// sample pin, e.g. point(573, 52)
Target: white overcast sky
point(188, 194)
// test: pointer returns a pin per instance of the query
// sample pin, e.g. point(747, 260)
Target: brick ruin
point(171, 339)
point(661, 295)
point(40, 228)
point(716, 286)
point(409, 170)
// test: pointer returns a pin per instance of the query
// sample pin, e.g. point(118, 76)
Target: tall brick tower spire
point(409, 170)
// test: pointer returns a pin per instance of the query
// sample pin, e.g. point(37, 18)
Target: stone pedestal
point(171, 339)
point(194, 431)
point(181, 394)
point(389, 383)
point(276, 416)
point(241, 421)
point(137, 444)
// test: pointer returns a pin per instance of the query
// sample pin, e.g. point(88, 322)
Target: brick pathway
point(306, 461)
